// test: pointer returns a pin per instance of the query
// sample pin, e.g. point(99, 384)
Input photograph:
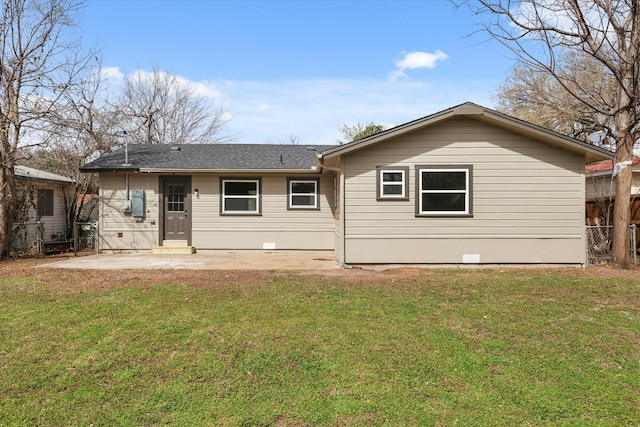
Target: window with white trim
point(303, 193)
point(240, 196)
point(392, 183)
point(444, 190)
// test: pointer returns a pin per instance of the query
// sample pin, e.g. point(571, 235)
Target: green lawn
point(465, 347)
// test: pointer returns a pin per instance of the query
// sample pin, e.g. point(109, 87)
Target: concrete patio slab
point(204, 261)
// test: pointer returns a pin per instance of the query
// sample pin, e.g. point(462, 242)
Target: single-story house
point(464, 185)
point(42, 199)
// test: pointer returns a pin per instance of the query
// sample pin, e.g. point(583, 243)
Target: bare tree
point(540, 32)
point(535, 96)
point(84, 127)
point(38, 64)
point(160, 108)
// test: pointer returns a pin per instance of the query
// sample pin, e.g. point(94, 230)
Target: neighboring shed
point(42, 200)
point(465, 185)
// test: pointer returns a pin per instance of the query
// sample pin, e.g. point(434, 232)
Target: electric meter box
point(137, 204)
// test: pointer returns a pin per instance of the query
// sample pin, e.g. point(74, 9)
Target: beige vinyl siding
point(135, 236)
point(528, 200)
point(56, 224)
point(276, 226)
point(286, 229)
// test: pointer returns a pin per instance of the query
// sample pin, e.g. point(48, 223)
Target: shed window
point(241, 196)
point(303, 193)
point(444, 190)
point(45, 202)
point(392, 183)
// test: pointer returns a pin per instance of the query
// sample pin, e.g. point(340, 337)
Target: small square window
point(392, 183)
point(303, 194)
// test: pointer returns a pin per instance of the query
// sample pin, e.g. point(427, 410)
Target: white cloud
point(111, 73)
point(261, 106)
point(413, 60)
point(200, 89)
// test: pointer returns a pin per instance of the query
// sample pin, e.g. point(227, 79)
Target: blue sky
point(283, 69)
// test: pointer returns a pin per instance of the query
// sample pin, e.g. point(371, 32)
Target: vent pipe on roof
point(126, 149)
point(126, 161)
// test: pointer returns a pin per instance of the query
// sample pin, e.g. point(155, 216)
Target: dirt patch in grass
point(87, 280)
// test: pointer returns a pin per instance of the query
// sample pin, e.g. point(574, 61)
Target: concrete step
point(174, 243)
point(169, 250)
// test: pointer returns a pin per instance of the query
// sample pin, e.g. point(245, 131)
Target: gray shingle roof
point(210, 157)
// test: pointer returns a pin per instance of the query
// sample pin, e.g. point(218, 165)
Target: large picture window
point(392, 183)
point(444, 190)
point(303, 194)
point(240, 196)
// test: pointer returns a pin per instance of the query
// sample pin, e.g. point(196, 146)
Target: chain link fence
point(85, 237)
point(599, 240)
point(27, 239)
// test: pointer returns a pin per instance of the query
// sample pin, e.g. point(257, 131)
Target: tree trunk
point(7, 207)
point(621, 206)
point(621, 216)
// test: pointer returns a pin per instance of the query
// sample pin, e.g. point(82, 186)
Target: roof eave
point(108, 169)
point(26, 173)
point(607, 172)
point(591, 152)
point(313, 169)
point(44, 180)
